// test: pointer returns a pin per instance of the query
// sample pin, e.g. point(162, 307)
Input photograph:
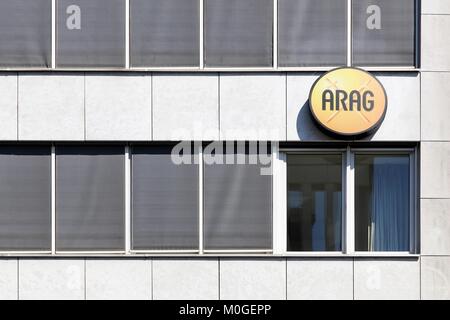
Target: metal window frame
point(274, 152)
point(417, 52)
point(51, 250)
point(279, 207)
point(202, 68)
point(319, 151)
point(413, 196)
point(348, 202)
point(126, 209)
point(198, 154)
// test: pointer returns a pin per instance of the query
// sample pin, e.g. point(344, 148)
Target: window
point(382, 202)
point(314, 202)
point(359, 200)
point(25, 198)
point(237, 200)
point(238, 33)
point(91, 33)
point(221, 197)
point(383, 32)
point(312, 33)
point(164, 200)
point(165, 33)
point(208, 34)
point(25, 33)
point(90, 198)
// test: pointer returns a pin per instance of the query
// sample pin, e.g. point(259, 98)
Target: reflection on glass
point(314, 202)
point(382, 203)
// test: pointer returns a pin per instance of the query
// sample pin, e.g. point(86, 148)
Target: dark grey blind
point(25, 198)
point(237, 206)
point(25, 33)
point(164, 33)
point(388, 41)
point(90, 182)
point(164, 201)
point(97, 39)
point(312, 33)
point(238, 33)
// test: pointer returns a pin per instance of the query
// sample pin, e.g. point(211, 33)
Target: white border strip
point(53, 198)
point(127, 199)
point(202, 36)
point(350, 203)
point(269, 251)
point(349, 33)
point(279, 201)
point(200, 198)
point(275, 34)
point(53, 66)
point(127, 34)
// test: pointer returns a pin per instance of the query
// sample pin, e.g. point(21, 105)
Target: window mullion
point(200, 198)
point(53, 199)
point(349, 33)
point(202, 35)
point(127, 34)
point(412, 217)
point(349, 202)
point(275, 34)
point(127, 199)
point(279, 214)
point(53, 62)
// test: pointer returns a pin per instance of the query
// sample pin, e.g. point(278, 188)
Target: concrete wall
point(214, 278)
point(435, 150)
point(164, 107)
point(170, 106)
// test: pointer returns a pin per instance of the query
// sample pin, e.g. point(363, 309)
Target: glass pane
point(164, 200)
point(237, 202)
point(25, 33)
point(90, 198)
point(383, 32)
point(382, 206)
point(91, 33)
point(25, 198)
point(165, 33)
point(314, 202)
point(312, 33)
point(238, 33)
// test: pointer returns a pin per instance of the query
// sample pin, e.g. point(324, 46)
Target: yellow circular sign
point(348, 101)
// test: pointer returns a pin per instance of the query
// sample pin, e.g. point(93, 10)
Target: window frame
point(202, 68)
point(279, 208)
point(126, 207)
point(197, 153)
point(416, 45)
point(413, 218)
point(348, 202)
point(341, 152)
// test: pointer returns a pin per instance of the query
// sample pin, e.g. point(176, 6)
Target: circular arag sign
point(348, 101)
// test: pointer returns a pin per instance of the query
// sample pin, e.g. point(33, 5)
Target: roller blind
point(238, 33)
point(25, 198)
point(164, 200)
point(383, 32)
point(25, 33)
point(165, 33)
point(90, 198)
point(91, 33)
point(237, 205)
point(312, 33)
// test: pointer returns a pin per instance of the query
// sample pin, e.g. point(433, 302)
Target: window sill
point(206, 69)
point(313, 255)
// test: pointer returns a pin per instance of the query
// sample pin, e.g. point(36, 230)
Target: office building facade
point(169, 149)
